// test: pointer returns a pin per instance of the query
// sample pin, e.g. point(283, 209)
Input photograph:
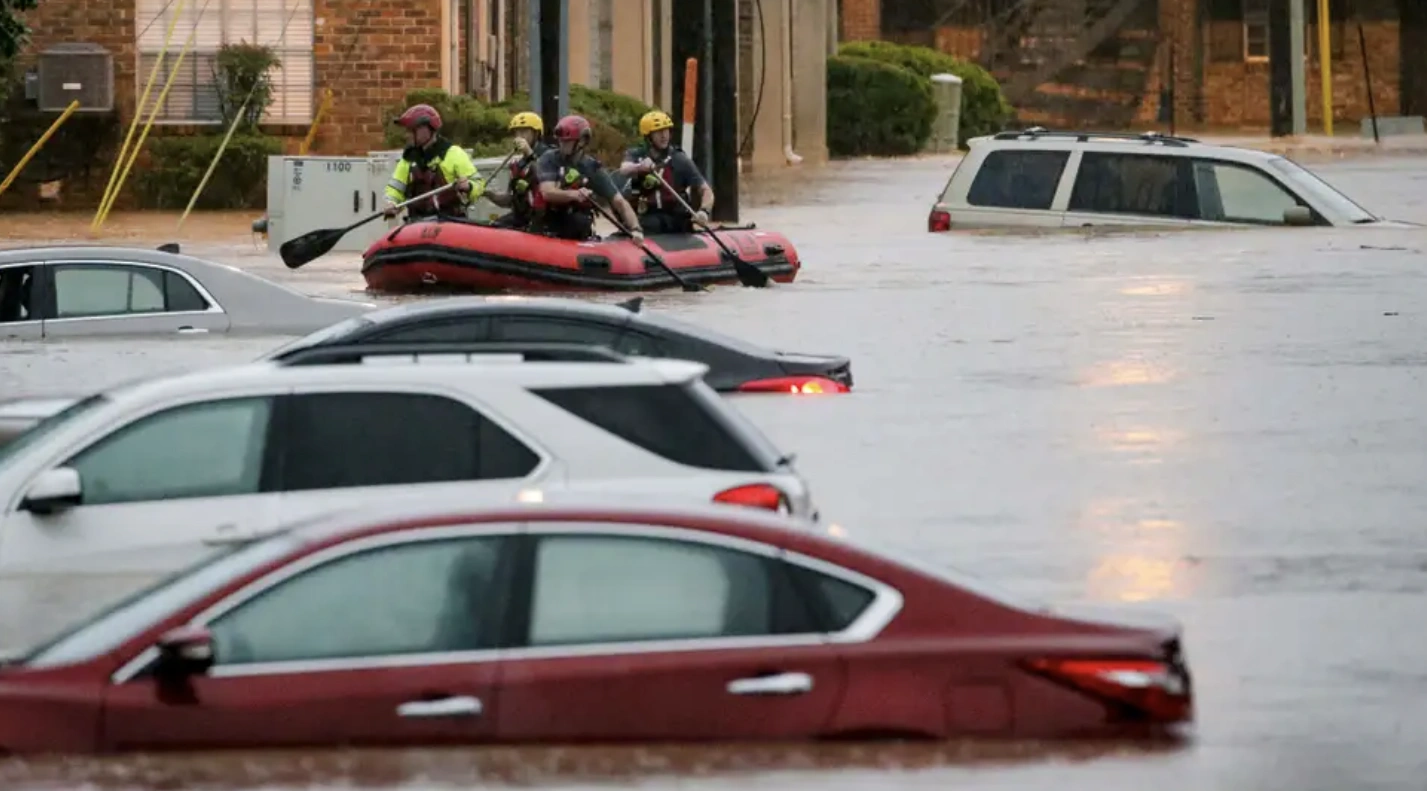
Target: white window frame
point(1253, 16)
point(294, 89)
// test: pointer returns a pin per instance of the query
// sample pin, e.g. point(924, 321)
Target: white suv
point(150, 476)
point(1044, 179)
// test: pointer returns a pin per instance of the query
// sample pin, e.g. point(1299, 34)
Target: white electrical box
point(310, 193)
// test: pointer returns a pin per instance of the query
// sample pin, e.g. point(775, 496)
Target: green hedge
point(876, 109)
point(177, 164)
point(482, 127)
point(984, 109)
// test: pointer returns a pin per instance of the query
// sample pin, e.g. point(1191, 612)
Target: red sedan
point(546, 623)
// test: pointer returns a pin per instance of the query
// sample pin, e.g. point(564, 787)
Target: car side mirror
point(1298, 215)
point(185, 651)
point(54, 490)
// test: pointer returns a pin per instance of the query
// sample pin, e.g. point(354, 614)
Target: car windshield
point(12, 449)
point(109, 628)
point(704, 333)
point(1322, 191)
point(325, 335)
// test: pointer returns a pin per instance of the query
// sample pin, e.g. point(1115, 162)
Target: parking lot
point(1226, 425)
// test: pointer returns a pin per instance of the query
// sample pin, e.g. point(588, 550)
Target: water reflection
point(1143, 550)
point(1119, 373)
point(1158, 288)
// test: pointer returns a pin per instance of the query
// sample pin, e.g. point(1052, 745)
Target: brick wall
point(861, 20)
point(370, 54)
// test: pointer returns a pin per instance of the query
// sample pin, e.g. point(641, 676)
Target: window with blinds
point(284, 25)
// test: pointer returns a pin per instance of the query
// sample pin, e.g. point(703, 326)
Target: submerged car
point(72, 291)
point(734, 365)
point(565, 623)
point(1039, 178)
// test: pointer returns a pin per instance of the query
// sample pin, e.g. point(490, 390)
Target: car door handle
point(462, 706)
point(781, 684)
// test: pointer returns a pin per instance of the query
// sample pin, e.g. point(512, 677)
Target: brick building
point(1209, 57)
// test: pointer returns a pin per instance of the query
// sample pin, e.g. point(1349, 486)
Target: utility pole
point(1280, 62)
point(532, 43)
point(1298, 57)
point(549, 61)
point(723, 173)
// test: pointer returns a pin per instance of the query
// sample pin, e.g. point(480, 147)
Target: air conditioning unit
point(76, 71)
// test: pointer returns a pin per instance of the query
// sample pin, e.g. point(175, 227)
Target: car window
point(1235, 193)
point(638, 344)
point(1310, 182)
point(464, 330)
point(1018, 179)
point(838, 601)
point(211, 449)
point(666, 420)
point(84, 290)
point(17, 294)
point(180, 295)
point(413, 598)
point(550, 330)
point(339, 440)
point(1134, 184)
point(603, 589)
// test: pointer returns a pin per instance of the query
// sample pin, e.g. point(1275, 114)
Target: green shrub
point(242, 74)
point(876, 108)
point(614, 119)
point(177, 164)
point(984, 109)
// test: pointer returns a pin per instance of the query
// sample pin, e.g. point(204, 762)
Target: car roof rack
point(1036, 132)
point(346, 353)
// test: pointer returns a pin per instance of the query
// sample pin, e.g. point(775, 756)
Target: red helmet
point(573, 128)
point(418, 115)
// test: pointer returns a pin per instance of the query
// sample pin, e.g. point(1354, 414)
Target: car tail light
point(755, 495)
point(938, 220)
point(800, 385)
point(1153, 690)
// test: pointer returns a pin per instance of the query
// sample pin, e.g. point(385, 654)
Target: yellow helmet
point(653, 121)
point(527, 120)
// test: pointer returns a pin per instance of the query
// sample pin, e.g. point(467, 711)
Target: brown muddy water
point(1226, 425)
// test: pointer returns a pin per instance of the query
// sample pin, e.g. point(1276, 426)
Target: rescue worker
point(431, 161)
point(659, 211)
point(570, 180)
point(528, 129)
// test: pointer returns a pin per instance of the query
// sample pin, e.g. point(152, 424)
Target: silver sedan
point(72, 291)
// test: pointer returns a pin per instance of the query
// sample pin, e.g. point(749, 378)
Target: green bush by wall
point(614, 119)
point(876, 108)
point(177, 164)
point(984, 109)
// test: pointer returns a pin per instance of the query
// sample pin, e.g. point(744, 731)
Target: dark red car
point(565, 623)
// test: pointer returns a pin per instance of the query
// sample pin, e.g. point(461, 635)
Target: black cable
point(762, 78)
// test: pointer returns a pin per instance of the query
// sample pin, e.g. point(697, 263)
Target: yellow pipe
point(34, 149)
point(1325, 64)
point(233, 127)
point(317, 120)
point(138, 111)
point(158, 106)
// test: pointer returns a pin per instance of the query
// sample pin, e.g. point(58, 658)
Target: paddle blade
point(309, 246)
point(750, 275)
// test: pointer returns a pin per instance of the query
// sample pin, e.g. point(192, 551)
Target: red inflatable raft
point(452, 254)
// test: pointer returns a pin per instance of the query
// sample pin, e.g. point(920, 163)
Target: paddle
point(310, 246)
point(684, 284)
point(748, 274)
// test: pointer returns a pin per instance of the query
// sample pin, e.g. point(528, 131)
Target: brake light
point(1153, 690)
point(938, 220)
point(799, 385)
point(755, 495)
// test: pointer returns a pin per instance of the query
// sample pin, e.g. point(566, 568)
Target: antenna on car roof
point(632, 305)
point(170, 247)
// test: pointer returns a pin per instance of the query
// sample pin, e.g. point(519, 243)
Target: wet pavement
point(1225, 425)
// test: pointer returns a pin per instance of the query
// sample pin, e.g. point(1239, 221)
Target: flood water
point(1226, 425)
